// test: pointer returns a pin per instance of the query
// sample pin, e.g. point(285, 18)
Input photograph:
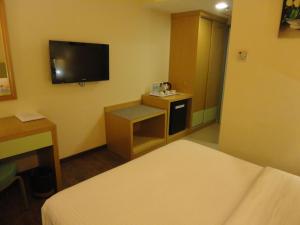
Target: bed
point(183, 183)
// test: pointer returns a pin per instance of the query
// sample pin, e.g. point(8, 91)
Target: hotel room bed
point(183, 183)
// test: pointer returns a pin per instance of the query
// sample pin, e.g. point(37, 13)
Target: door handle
point(179, 106)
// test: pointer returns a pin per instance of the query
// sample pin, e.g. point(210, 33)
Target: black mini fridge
point(178, 116)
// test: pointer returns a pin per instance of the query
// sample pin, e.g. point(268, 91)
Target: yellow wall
point(139, 44)
point(261, 114)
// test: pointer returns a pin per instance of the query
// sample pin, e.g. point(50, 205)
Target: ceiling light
point(222, 5)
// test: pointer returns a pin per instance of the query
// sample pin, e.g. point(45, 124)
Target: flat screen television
point(75, 62)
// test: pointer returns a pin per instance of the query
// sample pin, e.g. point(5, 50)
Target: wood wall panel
point(216, 64)
point(197, 59)
point(203, 49)
point(183, 52)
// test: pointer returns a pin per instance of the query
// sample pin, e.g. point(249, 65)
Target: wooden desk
point(17, 138)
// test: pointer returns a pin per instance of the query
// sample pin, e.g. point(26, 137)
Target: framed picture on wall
point(290, 19)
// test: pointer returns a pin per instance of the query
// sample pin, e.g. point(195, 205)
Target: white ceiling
point(174, 6)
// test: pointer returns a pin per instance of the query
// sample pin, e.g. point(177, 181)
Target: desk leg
point(57, 167)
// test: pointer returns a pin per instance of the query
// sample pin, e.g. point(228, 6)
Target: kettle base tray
point(162, 95)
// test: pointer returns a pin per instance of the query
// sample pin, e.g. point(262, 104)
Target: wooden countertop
point(12, 127)
point(173, 98)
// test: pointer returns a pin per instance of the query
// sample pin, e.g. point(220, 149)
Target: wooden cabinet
point(197, 61)
point(133, 129)
point(165, 103)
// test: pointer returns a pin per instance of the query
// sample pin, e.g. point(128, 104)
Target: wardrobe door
point(203, 53)
point(216, 71)
point(183, 51)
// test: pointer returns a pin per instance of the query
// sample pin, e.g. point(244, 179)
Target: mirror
point(7, 84)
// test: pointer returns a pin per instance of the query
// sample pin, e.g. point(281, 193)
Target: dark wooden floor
point(74, 170)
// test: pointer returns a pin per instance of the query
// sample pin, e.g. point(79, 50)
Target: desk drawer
point(25, 144)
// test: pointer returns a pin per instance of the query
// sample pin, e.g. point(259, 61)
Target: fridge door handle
point(180, 106)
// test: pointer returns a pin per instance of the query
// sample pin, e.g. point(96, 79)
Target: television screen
point(74, 62)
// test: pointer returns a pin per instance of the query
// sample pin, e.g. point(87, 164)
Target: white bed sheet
point(274, 199)
point(182, 183)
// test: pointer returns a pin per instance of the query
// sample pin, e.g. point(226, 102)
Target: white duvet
point(183, 183)
point(274, 199)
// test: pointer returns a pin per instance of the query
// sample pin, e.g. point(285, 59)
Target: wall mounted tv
point(75, 62)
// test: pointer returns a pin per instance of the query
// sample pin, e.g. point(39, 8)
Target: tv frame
point(80, 82)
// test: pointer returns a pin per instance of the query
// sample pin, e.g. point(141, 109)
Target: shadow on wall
point(95, 135)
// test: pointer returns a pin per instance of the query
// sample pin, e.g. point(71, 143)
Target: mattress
point(182, 183)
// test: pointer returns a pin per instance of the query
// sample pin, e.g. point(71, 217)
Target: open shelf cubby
point(148, 134)
point(134, 129)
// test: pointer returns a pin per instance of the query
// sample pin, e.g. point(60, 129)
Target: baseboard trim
point(203, 125)
point(80, 154)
